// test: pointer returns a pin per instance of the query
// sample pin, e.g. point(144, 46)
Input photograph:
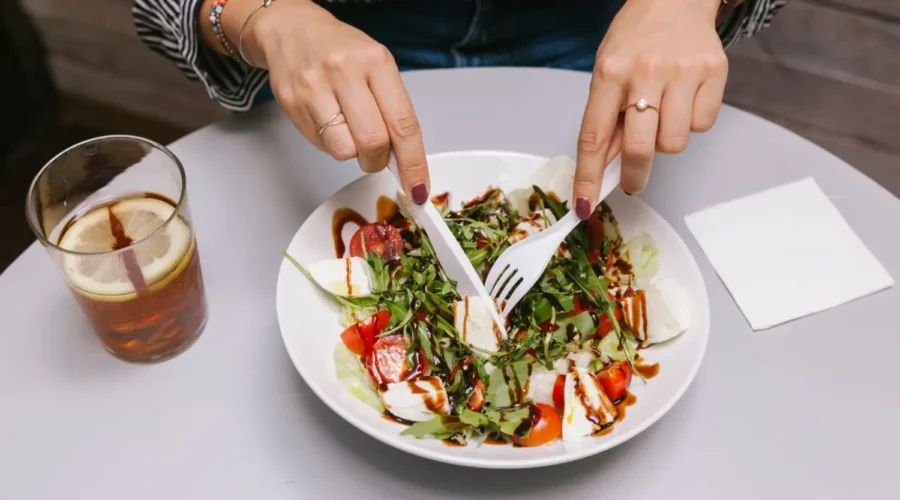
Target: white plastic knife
point(450, 254)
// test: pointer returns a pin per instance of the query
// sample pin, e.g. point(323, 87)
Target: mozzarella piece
point(581, 359)
point(349, 277)
point(540, 385)
point(533, 224)
point(416, 400)
point(557, 176)
point(472, 319)
point(658, 313)
point(668, 311)
point(518, 199)
point(561, 366)
point(587, 408)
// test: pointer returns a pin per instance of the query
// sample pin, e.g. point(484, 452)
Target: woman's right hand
point(319, 67)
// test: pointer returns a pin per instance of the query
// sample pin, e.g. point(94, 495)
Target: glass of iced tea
point(113, 214)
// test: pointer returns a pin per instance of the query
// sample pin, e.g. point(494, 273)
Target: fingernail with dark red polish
point(420, 194)
point(582, 208)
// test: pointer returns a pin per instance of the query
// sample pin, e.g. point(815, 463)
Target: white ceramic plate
point(310, 328)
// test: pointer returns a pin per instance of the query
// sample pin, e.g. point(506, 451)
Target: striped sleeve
point(170, 28)
point(747, 19)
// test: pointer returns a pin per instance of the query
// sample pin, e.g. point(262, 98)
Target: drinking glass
point(113, 214)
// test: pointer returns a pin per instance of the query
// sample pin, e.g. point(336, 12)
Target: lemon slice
point(107, 276)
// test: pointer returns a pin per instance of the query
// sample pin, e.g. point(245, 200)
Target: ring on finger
point(337, 119)
point(641, 105)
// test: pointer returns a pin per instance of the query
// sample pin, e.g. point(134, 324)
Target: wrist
point(712, 8)
point(268, 27)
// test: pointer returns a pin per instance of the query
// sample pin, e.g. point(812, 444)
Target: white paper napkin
point(785, 253)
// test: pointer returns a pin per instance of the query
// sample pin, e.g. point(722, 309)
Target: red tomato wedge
point(476, 400)
point(594, 231)
point(370, 327)
point(353, 341)
point(547, 427)
point(387, 362)
point(580, 306)
point(378, 237)
point(606, 325)
point(360, 337)
point(559, 393)
point(615, 380)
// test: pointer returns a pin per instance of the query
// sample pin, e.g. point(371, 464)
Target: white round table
point(809, 409)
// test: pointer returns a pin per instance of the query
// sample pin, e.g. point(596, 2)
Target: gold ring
point(337, 119)
point(641, 105)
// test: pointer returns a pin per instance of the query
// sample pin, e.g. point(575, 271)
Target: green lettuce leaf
point(644, 258)
point(473, 418)
point(434, 427)
point(510, 420)
point(497, 393)
point(583, 323)
point(352, 376)
point(612, 348)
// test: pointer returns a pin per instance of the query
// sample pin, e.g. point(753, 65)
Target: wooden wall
point(95, 54)
point(828, 69)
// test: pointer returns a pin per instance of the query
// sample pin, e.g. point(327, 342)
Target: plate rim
point(476, 462)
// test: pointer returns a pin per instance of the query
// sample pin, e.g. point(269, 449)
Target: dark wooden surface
point(827, 69)
point(79, 120)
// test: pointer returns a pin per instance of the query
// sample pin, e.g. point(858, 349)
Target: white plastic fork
point(522, 264)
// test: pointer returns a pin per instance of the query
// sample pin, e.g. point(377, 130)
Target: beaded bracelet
point(215, 15)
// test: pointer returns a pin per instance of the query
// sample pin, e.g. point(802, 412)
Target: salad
point(415, 350)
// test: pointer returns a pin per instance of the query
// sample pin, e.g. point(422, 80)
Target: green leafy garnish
point(557, 317)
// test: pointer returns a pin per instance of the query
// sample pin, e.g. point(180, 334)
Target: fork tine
point(499, 293)
point(512, 289)
point(494, 276)
point(513, 300)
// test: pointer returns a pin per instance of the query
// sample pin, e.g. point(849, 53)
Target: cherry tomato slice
point(370, 327)
point(559, 393)
point(387, 361)
point(594, 231)
point(546, 428)
point(378, 237)
point(476, 399)
point(354, 342)
point(606, 325)
point(615, 380)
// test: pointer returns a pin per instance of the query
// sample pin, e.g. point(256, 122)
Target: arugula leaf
point(434, 427)
point(566, 302)
point(474, 419)
point(425, 342)
point(521, 370)
point(583, 323)
point(379, 271)
point(497, 391)
point(543, 310)
point(511, 420)
point(559, 210)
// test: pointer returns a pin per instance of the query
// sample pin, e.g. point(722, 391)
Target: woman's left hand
point(668, 53)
